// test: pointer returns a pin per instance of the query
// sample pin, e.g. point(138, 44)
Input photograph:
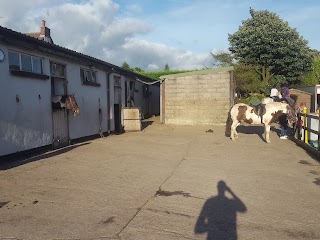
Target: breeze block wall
point(198, 98)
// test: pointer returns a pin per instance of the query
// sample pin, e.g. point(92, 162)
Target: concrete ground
point(166, 182)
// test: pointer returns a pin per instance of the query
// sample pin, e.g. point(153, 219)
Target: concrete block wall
point(197, 99)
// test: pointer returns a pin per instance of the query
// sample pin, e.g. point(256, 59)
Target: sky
point(152, 33)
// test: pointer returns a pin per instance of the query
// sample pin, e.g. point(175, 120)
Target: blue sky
point(203, 25)
point(150, 33)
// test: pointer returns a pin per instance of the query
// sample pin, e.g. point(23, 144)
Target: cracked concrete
point(163, 183)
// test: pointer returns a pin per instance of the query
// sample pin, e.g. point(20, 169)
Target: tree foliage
point(247, 79)
point(267, 42)
point(157, 75)
point(137, 70)
point(312, 77)
point(125, 65)
point(166, 67)
point(222, 59)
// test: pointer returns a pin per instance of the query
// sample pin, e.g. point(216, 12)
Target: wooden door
point(60, 121)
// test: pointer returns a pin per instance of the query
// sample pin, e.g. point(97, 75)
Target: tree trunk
point(266, 74)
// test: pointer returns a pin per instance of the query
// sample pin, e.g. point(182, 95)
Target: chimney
point(45, 32)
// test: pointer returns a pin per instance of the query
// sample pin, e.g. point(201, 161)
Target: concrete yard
point(162, 183)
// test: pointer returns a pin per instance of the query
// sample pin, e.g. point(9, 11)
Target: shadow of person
point(218, 217)
point(32, 156)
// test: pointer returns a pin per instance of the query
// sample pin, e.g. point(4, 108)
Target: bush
point(248, 99)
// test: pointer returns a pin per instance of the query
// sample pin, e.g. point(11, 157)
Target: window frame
point(17, 69)
point(93, 75)
point(32, 62)
point(53, 72)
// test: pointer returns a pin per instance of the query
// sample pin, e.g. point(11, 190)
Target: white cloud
point(94, 28)
point(145, 53)
point(152, 68)
point(120, 30)
point(135, 8)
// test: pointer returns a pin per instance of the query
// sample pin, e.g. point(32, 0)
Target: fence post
point(318, 129)
point(305, 135)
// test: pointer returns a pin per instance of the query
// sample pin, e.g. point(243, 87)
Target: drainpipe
point(162, 100)
point(109, 99)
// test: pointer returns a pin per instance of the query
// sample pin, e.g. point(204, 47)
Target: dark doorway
point(117, 119)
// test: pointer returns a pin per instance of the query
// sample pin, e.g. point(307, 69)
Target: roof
point(34, 34)
point(40, 37)
point(300, 91)
point(199, 72)
point(14, 38)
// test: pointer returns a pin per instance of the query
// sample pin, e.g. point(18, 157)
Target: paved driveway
point(167, 182)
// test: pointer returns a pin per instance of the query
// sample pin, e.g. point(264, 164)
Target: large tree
point(267, 42)
point(222, 59)
point(312, 77)
point(166, 67)
point(125, 65)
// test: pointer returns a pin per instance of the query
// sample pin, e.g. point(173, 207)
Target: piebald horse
point(67, 101)
point(267, 100)
point(241, 112)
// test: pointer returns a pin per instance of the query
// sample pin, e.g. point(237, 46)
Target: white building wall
point(111, 92)
point(89, 98)
point(25, 124)
point(139, 99)
point(146, 105)
point(26, 111)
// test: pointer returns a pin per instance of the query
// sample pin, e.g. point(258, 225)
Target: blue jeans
point(283, 131)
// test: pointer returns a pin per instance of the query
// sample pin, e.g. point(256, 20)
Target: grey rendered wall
point(89, 98)
point(197, 99)
point(146, 105)
point(25, 109)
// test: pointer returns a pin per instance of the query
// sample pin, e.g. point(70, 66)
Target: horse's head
point(71, 105)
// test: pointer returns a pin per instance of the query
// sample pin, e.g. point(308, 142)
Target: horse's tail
point(228, 125)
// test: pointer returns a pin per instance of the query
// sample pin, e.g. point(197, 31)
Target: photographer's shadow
point(218, 217)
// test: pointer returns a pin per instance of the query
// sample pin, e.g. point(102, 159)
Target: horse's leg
point(233, 130)
point(267, 133)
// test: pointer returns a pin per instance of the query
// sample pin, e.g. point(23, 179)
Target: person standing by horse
point(285, 91)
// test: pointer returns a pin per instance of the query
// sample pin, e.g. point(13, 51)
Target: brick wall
point(197, 99)
point(302, 97)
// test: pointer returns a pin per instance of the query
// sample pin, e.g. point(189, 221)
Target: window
point(117, 82)
point(58, 78)
point(14, 61)
point(89, 77)
point(24, 62)
point(58, 70)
